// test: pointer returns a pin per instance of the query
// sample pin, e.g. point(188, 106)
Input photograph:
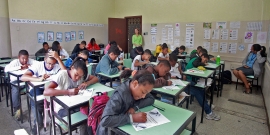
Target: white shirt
point(39, 69)
point(63, 52)
point(139, 58)
point(16, 65)
point(162, 56)
point(174, 71)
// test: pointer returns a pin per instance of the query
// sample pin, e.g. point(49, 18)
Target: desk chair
point(127, 63)
point(251, 78)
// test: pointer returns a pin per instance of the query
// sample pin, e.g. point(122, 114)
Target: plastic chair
point(127, 63)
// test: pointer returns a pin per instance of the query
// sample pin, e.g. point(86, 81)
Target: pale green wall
point(3, 8)
point(96, 11)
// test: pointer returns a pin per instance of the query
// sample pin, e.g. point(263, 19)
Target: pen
point(160, 108)
point(138, 108)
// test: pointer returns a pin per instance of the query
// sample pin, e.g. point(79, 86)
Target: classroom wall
point(4, 32)
point(24, 36)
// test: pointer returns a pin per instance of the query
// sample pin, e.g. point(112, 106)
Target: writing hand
point(140, 117)
point(73, 91)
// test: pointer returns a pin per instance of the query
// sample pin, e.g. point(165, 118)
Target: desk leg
point(223, 66)
point(36, 110)
point(212, 90)
point(193, 126)
point(219, 81)
point(188, 97)
point(7, 87)
point(203, 101)
point(53, 117)
point(69, 123)
point(111, 82)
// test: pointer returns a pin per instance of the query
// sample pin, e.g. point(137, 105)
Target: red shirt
point(91, 47)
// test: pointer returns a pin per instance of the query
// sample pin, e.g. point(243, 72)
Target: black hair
point(164, 46)
point(92, 40)
point(203, 51)
point(165, 63)
point(113, 43)
point(142, 76)
point(83, 42)
point(44, 43)
point(263, 54)
point(199, 48)
point(79, 62)
point(182, 47)
point(256, 47)
point(23, 52)
point(173, 57)
point(47, 56)
point(85, 52)
point(205, 55)
point(147, 51)
point(55, 47)
point(114, 49)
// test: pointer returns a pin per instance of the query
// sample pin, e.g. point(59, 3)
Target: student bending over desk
point(141, 60)
point(126, 100)
point(176, 71)
point(69, 82)
point(83, 54)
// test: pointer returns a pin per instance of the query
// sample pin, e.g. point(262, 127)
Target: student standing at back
point(132, 95)
point(79, 47)
point(141, 60)
point(23, 62)
point(163, 55)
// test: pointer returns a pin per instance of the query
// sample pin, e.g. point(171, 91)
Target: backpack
point(96, 111)
point(227, 77)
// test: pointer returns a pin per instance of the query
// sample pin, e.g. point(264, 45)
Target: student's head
point(205, 58)
point(49, 62)
point(78, 69)
point(56, 46)
point(84, 54)
point(255, 48)
point(263, 54)
point(163, 67)
point(146, 54)
point(137, 31)
point(45, 45)
point(173, 59)
point(113, 52)
point(23, 57)
point(199, 48)
point(92, 41)
point(113, 43)
point(182, 49)
point(82, 45)
point(203, 51)
point(164, 48)
point(141, 84)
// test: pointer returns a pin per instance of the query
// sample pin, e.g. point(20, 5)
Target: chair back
point(127, 63)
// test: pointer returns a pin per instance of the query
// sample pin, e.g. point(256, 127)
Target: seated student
point(79, 47)
point(141, 60)
point(197, 62)
point(195, 53)
point(175, 71)
point(199, 92)
point(182, 50)
point(132, 95)
point(23, 62)
point(108, 65)
point(63, 53)
point(43, 50)
point(108, 46)
point(161, 73)
point(69, 82)
point(252, 65)
point(38, 72)
point(163, 55)
point(136, 51)
point(92, 46)
point(83, 54)
point(121, 56)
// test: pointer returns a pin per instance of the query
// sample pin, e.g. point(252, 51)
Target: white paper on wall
point(206, 45)
point(233, 34)
point(224, 34)
point(207, 33)
point(261, 37)
point(215, 34)
point(221, 25)
point(223, 47)
point(189, 37)
point(248, 37)
point(214, 47)
point(232, 48)
point(235, 25)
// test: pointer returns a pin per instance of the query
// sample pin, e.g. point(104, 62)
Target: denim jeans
point(16, 95)
point(39, 91)
point(199, 93)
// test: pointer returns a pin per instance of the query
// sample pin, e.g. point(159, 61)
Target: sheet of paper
point(195, 71)
point(177, 30)
point(221, 25)
point(207, 25)
point(224, 34)
point(254, 26)
point(233, 34)
point(154, 118)
point(201, 82)
point(164, 35)
point(189, 37)
point(235, 25)
point(170, 35)
point(153, 39)
point(232, 48)
point(214, 47)
point(86, 92)
point(206, 45)
point(177, 82)
point(215, 34)
point(41, 37)
point(223, 47)
point(207, 33)
point(261, 37)
point(153, 29)
point(248, 37)
point(172, 87)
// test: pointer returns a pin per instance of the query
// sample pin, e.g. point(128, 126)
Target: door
point(117, 31)
point(132, 23)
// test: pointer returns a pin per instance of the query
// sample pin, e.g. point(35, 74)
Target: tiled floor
point(241, 114)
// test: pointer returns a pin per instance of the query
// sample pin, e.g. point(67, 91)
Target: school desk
point(3, 80)
point(217, 70)
point(5, 61)
point(179, 120)
point(110, 77)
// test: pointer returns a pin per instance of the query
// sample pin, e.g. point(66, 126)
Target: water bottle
point(218, 60)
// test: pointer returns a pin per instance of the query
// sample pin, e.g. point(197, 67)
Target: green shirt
point(190, 66)
point(136, 40)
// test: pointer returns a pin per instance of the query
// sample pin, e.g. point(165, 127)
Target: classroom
point(144, 67)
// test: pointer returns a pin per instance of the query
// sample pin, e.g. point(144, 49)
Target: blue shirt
point(251, 59)
point(107, 66)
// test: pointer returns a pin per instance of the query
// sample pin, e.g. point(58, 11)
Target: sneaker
point(18, 115)
point(213, 116)
point(34, 130)
point(213, 107)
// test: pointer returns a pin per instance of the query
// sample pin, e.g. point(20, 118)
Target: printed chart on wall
point(81, 34)
point(177, 30)
point(207, 30)
point(235, 25)
point(224, 34)
point(215, 47)
point(67, 36)
point(215, 34)
point(41, 37)
point(164, 35)
point(223, 47)
point(248, 37)
point(261, 37)
point(221, 25)
point(189, 37)
point(232, 48)
point(170, 36)
point(59, 36)
point(254, 26)
point(50, 36)
point(233, 34)
point(206, 45)
point(153, 29)
point(73, 35)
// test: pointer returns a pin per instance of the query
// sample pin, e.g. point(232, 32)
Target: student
point(37, 73)
point(107, 64)
point(252, 65)
point(195, 53)
point(175, 71)
point(198, 60)
point(136, 51)
point(63, 52)
point(108, 46)
point(199, 92)
point(141, 60)
point(121, 56)
point(43, 50)
point(83, 54)
point(132, 95)
point(92, 46)
point(79, 47)
point(164, 53)
point(161, 73)
point(69, 82)
point(23, 62)
point(182, 50)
